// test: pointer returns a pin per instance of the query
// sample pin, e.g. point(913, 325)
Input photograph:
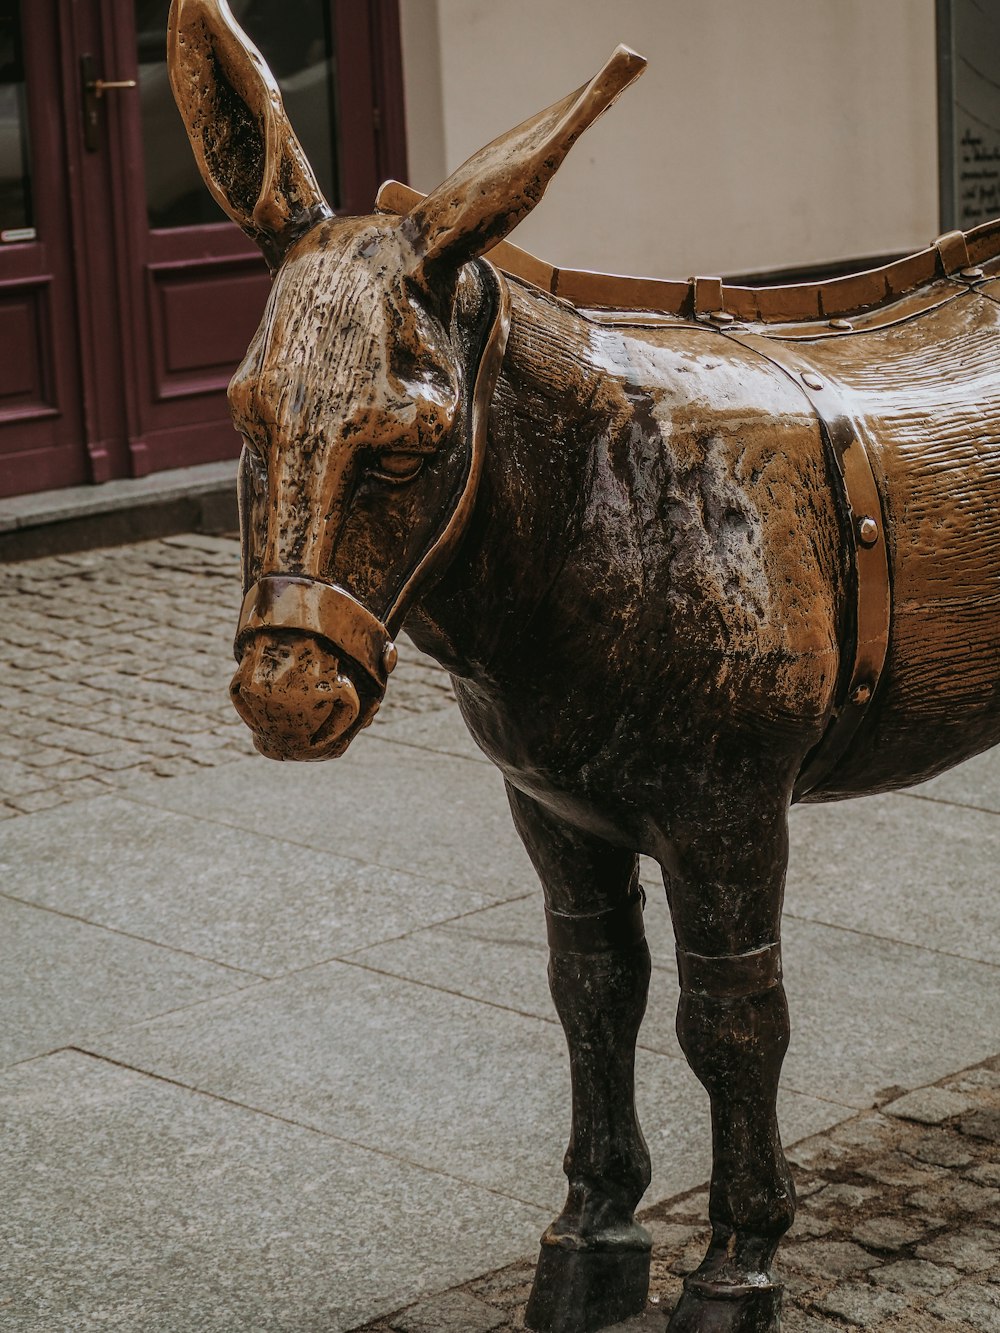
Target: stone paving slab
point(62, 980)
point(439, 729)
point(465, 1088)
point(869, 1013)
point(865, 1251)
point(858, 1004)
point(455, 1085)
point(975, 783)
point(251, 900)
point(500, 955)
point(136, 1206)
point(916, 871)
point(391, 805)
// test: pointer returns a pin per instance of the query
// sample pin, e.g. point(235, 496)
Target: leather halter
point(280, 601)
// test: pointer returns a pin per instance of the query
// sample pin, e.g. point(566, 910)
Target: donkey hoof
point(578, 1291)
point(727, 1310)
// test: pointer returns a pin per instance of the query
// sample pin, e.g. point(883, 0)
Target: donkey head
point(363, 397)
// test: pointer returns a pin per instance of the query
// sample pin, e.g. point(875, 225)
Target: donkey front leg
point(732, 1022)
point(593, 1269)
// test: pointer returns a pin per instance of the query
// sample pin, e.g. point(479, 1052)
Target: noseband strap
point(284, 602)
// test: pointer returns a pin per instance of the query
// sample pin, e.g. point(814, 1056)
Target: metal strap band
point(864, 653)
point(953, 252)
point(279, 602)
point(844, 296)
point(619, 927)
point(487, 374)
point(707, 295)
point(731, 976)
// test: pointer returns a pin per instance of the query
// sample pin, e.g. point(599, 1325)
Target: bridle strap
point(477, 428)
point(278, 601)
point(298, 602)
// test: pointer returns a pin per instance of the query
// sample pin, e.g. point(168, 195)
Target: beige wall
point(422, 88)
point(765, 133)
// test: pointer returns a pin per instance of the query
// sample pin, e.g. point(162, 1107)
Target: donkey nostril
point(343, 713)
point(241, 701)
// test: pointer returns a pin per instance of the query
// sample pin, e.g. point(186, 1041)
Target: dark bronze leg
point(593, 1269)
point(732, 1022)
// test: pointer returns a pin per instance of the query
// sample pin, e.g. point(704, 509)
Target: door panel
point(191, 352)
point(27, 373)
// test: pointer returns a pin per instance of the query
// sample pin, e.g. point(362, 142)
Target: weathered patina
point(690, 552)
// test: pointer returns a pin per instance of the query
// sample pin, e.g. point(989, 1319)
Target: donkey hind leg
point(593, 1267)
point(732, 1022)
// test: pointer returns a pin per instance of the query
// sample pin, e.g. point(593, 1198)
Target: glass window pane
point(16, 213)
point(297, 43)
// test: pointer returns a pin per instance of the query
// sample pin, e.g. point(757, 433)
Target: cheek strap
point(445, 544)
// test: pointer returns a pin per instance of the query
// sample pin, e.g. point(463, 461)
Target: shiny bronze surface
point(688, 550)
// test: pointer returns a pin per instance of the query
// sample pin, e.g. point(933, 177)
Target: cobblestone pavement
point(135, 680)
point(898, 1229)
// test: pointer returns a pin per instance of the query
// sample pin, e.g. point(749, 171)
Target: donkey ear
point(490, 193)
point(243, 142)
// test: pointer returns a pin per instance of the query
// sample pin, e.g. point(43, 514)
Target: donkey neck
point(547, 409)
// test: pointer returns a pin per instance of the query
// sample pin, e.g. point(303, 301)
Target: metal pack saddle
point(899, 364)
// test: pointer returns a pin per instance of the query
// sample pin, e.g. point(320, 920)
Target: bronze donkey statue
point(690, 552)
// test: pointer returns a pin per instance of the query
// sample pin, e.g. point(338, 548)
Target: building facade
point(766, 134)
point(126, 297)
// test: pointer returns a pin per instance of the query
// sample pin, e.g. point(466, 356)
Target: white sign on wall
point(969, 111)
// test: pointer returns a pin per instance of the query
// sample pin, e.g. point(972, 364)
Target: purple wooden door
point(43, 432)
point(135, 298)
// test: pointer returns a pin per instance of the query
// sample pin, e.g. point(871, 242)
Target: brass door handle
point(100, 86)
point(93, 90)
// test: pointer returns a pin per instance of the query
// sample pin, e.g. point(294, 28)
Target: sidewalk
point(280, 1052)
point(896, 1229)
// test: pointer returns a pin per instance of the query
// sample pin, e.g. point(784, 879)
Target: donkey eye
point(397, 467)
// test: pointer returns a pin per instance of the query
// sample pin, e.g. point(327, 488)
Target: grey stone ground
point(278, 1052)
point(897, 1229)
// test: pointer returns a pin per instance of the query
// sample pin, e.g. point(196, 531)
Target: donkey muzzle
point(313, 666)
